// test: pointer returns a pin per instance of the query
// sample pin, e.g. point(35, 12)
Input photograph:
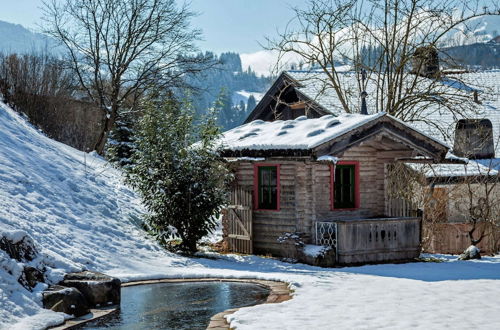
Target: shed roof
point(300, 133)
point(302, 136)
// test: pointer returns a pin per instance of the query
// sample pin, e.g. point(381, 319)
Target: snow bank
point(73, 205)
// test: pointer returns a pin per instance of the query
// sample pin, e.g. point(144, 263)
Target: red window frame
point(256, 186)
point(357, 194)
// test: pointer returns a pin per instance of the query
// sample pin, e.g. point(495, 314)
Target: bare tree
point(119, 48)
point(467, 194)
point(394, 41)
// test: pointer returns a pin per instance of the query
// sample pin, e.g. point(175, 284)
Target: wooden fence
point(375, 240)
point(453, 238)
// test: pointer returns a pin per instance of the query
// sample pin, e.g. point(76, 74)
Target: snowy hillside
point(80, 215)
point(73, 205)
point(243, 95)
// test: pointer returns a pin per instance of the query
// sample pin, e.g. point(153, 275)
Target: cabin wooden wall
point(305, 196)
point(269, 225)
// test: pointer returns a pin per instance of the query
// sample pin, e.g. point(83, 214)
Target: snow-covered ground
point(80, 215)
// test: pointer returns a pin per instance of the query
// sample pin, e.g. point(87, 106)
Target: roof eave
point(266, 153)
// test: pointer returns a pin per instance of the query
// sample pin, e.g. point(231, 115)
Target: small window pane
point(268, 188)
point(344, 187)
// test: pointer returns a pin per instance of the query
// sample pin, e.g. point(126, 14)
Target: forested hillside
point(226, 86)
point(481, 55)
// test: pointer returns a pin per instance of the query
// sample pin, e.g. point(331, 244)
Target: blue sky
point(228, 25)
point(240, 24)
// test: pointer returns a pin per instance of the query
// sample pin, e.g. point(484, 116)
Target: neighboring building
point(323, 180)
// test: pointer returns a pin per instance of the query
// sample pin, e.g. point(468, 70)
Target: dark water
point(188, 305)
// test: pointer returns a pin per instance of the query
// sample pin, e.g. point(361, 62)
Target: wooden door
point(239, 221)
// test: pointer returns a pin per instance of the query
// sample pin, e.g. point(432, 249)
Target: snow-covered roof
point(304, 133)
point(300, 134)
point(471, 168)
point(314, 86)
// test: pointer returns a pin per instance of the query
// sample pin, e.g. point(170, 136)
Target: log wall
point(305, 196)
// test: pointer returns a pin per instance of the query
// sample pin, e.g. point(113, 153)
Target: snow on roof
point(472, 168)
point(300, 134)
point(314, 85)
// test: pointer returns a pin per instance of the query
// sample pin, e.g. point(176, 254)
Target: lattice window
point(326, 234)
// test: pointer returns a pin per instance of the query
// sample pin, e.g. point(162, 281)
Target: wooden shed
point(322, 182)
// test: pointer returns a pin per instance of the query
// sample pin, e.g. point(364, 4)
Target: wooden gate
point(239, 221)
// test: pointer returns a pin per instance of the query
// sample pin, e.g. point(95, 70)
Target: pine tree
point(182, 182)
point(226, 116)
point(120, 145)
point(251, 103)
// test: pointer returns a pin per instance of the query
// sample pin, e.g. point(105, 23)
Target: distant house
point(322, 181)
point(306, 94)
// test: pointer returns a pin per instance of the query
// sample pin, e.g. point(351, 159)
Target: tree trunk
point(471, 234)
point(109, 123)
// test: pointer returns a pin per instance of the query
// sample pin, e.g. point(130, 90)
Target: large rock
point(66, 300)
point(99, 289)
point(30, 277)
point(18, 245)
point(472, 252)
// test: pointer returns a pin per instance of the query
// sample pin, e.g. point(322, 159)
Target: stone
point(66, 300)
point(30, 277)
point(472, 252)
point(22, 250)
point(99, 289)
point(326, 257)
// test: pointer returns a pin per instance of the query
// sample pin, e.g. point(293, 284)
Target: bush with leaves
point(179, 172)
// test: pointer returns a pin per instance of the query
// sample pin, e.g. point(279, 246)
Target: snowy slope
point(243, 95)
point(73, 205)
point(81, 215)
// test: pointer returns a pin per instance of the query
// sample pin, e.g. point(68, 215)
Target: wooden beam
point(298, 105)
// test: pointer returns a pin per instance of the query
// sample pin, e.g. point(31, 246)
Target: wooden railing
point(375, 240)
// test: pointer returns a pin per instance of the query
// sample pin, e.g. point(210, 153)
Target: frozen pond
point(186, 305)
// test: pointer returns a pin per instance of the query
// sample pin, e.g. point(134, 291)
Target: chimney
point(364, 94)
point(426, 62)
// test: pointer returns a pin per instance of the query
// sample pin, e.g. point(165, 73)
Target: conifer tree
point(182, 181)
point(251, 103)
point(226, 116)
point(120, 145)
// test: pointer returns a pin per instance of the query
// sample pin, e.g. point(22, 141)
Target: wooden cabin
point(305, 183)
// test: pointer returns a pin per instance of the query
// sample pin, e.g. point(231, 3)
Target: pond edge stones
point(279, 293)
point(79, 292)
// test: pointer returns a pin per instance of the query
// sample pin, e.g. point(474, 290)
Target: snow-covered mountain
point(478, 30)
point(243, 95)
point(15, 38)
